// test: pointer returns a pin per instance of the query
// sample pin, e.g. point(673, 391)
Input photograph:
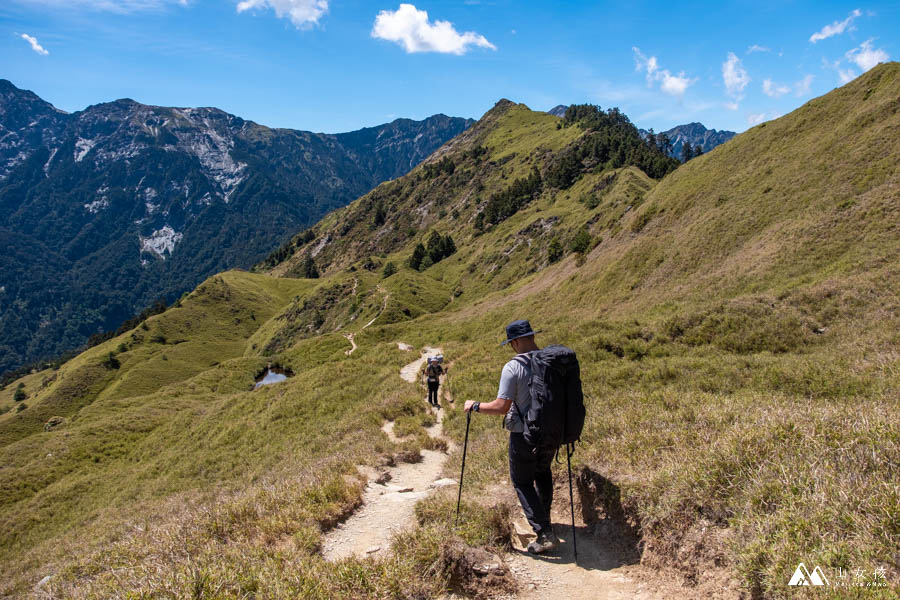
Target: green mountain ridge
point(736, 322)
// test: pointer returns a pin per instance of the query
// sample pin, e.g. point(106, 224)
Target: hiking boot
point(543, 543)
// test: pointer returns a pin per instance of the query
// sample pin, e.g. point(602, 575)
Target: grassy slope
point(736, 323)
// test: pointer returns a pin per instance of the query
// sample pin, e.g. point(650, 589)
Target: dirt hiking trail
point(607, 568)
point(602, 572)
point(351, 336)
point(390, 496)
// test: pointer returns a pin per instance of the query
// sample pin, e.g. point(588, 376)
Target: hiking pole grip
point(463, 469)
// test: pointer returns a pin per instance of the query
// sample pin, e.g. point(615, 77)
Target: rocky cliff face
point(26, 123)
point(106, 209)
point(558, 111)
point(695, 134)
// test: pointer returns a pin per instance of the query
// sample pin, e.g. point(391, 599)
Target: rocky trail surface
point(604, 571)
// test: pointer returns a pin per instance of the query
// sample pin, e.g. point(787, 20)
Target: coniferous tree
point(449, 246)
point(415, 261)
point(308, 269)
point(687, 152)
point(380, 214)
point(435, 247)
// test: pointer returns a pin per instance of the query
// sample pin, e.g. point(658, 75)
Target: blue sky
point(338, 65)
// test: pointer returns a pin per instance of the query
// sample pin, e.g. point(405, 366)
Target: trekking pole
point(463, 470)
point(572, 501)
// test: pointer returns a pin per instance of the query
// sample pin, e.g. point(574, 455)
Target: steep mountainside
point(736, 322)
point(107, 209)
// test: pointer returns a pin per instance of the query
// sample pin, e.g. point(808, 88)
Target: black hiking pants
point(433, 392)
point(533, 481)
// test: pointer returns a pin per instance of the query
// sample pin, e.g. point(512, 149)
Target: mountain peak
point(558, 111)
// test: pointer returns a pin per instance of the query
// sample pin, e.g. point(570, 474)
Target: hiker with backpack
point(540, 395)
point(433, 372)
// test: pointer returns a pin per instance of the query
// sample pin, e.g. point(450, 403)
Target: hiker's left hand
point(468, 405)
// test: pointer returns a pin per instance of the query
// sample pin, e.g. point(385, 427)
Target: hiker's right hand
point(468, 406)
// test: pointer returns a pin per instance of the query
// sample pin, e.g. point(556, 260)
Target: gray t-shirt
point(514, 386)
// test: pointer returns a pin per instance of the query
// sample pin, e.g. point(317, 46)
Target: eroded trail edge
point(391, 494)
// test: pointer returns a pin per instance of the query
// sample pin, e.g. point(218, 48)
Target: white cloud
point(731, 105)
point(774, 90)
point(410, 28)
point(757, 48)
point(867, 57)
point(674, 85)
point(801, 88)
point(34, 44)
point(756, 118)
point(735, 77)
point(836, 28)
point(302, 13)
point(846, 75)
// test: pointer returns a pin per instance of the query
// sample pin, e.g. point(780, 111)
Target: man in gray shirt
point(529, 469)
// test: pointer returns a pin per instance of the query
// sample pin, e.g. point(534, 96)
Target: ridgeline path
point(389, 507)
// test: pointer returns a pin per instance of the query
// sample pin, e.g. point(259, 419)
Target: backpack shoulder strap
point(525, 361)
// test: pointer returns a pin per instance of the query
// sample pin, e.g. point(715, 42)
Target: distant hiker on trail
point(529, 466)
point(433, 372)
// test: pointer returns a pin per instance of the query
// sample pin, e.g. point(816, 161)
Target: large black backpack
point(556, 414)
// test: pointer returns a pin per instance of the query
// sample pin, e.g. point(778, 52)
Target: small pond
point(272, 375)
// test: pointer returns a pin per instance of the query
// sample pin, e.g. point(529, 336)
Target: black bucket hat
point(518, 329)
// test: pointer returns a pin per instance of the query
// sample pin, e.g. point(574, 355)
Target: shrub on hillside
point(554, 250)
point(581, 243)
point(745, 326)
point(443, 166)
point(112, 362)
